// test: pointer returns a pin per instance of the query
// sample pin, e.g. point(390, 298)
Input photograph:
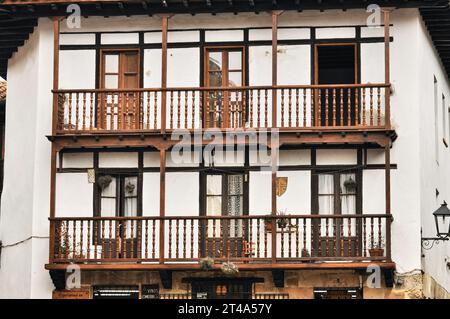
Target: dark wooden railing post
point(165, 24)
point(387, 152)
point(275, 15)
point(162, 203)
point(387, 93)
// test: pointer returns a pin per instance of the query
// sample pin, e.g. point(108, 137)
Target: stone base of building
point(431, 289)
point(298, 284)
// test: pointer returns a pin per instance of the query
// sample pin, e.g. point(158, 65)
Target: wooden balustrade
point(241, 239)
point(298, 107)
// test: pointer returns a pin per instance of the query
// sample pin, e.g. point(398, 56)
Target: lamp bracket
point(429, 242)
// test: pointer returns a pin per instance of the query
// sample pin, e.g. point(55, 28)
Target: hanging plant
point(129, 187)
point(104, 181)
point(206, 263)
point(229, 268)
point(350, 185)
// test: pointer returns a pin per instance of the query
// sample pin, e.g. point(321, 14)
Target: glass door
point(224, 197)
point(120, 110)
point(224, 67)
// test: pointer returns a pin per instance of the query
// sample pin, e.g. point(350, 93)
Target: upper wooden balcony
point(302, 110)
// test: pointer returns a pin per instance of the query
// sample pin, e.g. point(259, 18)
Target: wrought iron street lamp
point(442, 220)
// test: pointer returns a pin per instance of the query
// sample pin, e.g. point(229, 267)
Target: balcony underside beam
point(379, 138)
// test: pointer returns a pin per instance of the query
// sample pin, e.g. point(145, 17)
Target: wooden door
point(120, 109)
point(224, 67)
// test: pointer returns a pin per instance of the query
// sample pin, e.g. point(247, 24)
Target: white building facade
point(357, 117)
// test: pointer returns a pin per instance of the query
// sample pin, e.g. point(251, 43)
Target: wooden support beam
point(165, 25)
point(387, 95)
point(56, 31)
point(162, 202)
point(274, 66)
point(387, 152)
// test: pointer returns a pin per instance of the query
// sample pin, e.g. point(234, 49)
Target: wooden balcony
point(303, 109)
point(291, 241)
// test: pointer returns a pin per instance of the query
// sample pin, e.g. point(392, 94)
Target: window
point(118, 195)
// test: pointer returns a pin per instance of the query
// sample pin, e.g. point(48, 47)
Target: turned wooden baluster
point(251, 107)
point(265, 241)
point(155, 110)
point(290, 107)
point(70, 111)
point(77, 111)
point(364, 237)
point(372, 239)
point(171, 106)
point(83, 120)
point(177, 240)
point(146, 239)
point(258, 109)
point(282, 107)
point(178, 109)
point(184, 237)
point(170, 238)
point(364, 106)
point(349, 235)
point(319, 108)
point(289, 242)
point(304, 235)
point(250, 230)
point(341, 108)
point(131, 239)
point(371, 106)
point(139, 237)
point(91, 110)
point(378, 106)
point(349, 111)
point(357, 106)
point(258, 235)
point(379, 232)
point(297, 108)
point(334, 107)
point(192, 237)
point(327, 236)
point(193, 109)
point(327, 111)
point(74, 239)
point(154, 238)
point(186, 99)
point(81, 238)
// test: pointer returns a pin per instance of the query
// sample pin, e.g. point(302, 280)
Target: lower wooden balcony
point(301, 108)
point(252, 242)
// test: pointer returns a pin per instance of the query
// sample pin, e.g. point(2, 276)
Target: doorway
point(336, 64)
point(224, 67)
point(224, 195)
point(119, 70)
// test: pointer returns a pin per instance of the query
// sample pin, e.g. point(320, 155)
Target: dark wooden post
point(54, 153)
point(165, 25)
point(162, 202)
point(387, 152)
point(274, 66)
point(387, 73)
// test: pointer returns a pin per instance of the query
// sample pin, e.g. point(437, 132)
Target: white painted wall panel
point(116, 159)
point(182, 194)
point(224, 36)
point(77, 69)
point(77, 39)
point(295, 157)
point(150, 197)
point(78, 160)
point(336, 157)
point(372, 63)
point(260, 185)
point(297, 198)
point(74, 195)
point(120, 38)
point(374, 32)
point(335, 33)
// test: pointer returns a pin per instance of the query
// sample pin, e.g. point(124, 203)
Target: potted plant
point(206, 263)
point(282, 222)
point(268, 224)
point(376, 247)
point(129, 187)
point(350, 185)
point(104, 181)
point(229, 268)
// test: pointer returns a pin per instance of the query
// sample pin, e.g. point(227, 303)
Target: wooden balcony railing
point(248, 239)
point(297, 107)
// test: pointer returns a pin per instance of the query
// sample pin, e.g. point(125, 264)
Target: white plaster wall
point(433, 175)
point(77, 69)
point(150, 194)
point(117, 159)
point(25, 198)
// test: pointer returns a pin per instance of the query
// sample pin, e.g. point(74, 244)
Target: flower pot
point(376, 252)
point(268, 227)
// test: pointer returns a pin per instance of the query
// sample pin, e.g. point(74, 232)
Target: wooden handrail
point(234, 88)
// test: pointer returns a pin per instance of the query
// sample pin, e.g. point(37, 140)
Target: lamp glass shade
point(442, 219)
